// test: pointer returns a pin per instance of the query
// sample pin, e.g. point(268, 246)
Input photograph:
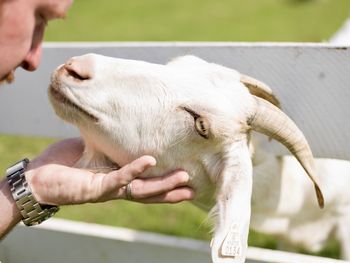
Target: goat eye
point(201, 124)
point(202, 127)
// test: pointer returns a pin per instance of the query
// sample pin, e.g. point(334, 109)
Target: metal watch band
point(32, 212)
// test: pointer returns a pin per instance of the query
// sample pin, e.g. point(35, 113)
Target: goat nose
point(80, 68)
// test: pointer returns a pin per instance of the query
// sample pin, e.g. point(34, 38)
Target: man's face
point(22, 26)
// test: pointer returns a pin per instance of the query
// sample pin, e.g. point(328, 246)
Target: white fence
point(57, 241)
point(312, 81)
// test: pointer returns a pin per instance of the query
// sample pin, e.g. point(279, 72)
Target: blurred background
point(201, 20)
point(180, 20)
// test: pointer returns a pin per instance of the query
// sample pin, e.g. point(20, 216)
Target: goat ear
point(233, 205)
point(260, 89)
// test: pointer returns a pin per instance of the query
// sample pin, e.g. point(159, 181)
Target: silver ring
point(128, 192)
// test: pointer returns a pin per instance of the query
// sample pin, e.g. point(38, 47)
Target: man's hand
point(53, 181)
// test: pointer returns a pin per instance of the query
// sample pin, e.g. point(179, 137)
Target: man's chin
point(9, 78)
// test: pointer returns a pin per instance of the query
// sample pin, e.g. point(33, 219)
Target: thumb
point(117, 179)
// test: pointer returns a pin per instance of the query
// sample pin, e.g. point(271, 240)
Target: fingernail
point(191, 195)
point(152, 160)
point(184, 176)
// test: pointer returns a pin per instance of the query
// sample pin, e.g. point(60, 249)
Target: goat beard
point(8, 78)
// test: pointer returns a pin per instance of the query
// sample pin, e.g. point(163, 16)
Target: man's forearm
point(9, 213)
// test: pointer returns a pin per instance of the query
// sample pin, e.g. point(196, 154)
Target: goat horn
point(260, 89)
point(271, 121)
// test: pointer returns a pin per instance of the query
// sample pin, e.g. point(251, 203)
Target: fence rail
point(67, 241)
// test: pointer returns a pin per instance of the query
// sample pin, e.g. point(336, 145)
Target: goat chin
point(188, 114)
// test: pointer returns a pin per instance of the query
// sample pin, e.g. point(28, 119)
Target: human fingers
point(174, 196)
point(148, 187)
point(113, 182)
point(60, 185)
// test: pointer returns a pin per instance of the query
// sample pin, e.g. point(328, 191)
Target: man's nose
point(32, 59)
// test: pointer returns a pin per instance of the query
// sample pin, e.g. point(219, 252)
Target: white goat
point(293, 218)
point(342, 36)
point(188, 114)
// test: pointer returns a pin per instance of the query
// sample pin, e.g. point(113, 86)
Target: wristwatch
point(32, 212)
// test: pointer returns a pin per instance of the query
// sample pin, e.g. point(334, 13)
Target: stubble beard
point(8, 78)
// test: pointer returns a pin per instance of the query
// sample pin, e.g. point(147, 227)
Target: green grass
point(14, 148)
point(201, 20)
point(180, 219)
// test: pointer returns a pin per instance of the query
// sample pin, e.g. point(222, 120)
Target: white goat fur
point(140, 108)
point(283, 203)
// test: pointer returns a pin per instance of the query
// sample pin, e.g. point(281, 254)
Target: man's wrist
point(32, 212)
point(6, 194)
point(10, 214)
